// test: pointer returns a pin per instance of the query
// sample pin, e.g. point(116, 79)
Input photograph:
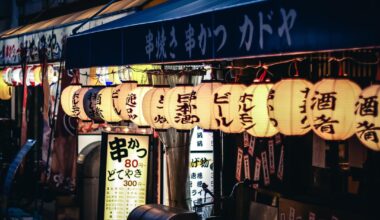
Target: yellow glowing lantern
point(105, 107)
point(134, 105)
point(367, 120)
point(7, 76)
point(287, 106)
point(5, 90)
point(67, 96)
point(179, 107)
point(52, 74)
point(119, 97)
point(153, 107)
point(78, 104)
point(226, 107)
point(331, 108)
point(253, 110)
point(16, 77)
point(204, 103)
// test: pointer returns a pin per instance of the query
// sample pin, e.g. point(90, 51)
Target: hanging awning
point(206, 30)
point(54, 31)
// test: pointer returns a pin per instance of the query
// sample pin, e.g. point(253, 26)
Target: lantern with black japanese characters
point(204, 100)
point(89, 103)
point(331, 108)
point(119, 98)
point(179, 107)
point(78, 103)
point(134, 105)
point(287, 106)
point(104, 105)
point(67, 96)
point(153, 107)
point(226, 107)
point(253, 110)
point(367, 120)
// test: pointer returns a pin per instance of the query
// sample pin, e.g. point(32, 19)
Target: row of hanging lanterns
point(334, 109)
point(13, 76)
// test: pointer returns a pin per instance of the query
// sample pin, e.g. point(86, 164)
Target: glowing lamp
point(52, 74)
point(153, 107)
point(134, 105)
point(119, 98)
point(67, 96)
point(33, 75)
point(204, 103)
point(5, 90)
point(253, 111)
point(78, 104)
point(104, 105)
point(287, 106)
point(367, 119)
point(16, 77)
point(226, 107)
point(331, 108)
point(7, 76)
point(89, 103)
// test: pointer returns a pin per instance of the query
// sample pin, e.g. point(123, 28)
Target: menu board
point(123, 175)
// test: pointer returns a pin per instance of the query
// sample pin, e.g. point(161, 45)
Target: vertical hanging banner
point(271, 157)
point(247, 168)
point(256, 177)
point(264, 160)
point(246, 140)
point(280, 171)
point(123, 174)
point(239, 161)
point(252, 144)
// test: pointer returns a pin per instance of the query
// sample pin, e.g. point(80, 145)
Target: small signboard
point(123, 174)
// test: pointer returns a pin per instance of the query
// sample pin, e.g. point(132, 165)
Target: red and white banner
point(239, 161)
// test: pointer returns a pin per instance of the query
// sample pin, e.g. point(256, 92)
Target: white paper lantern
point(104, 105)
point(205, 105)
point(16, 77)
point(287, 106)
point(332, 107)
point(34, 75)
point(7, 76)
point(367, 120)
point(78, 104)
point(153, 107)
point(226, 107)
point(52, 74)
point(135, 105)
point(253, 110)
point(67, 96)
point(178, 107)
point(119, 97)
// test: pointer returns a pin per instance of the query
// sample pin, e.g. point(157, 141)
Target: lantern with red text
point(135, 105)
point(153, 107)
point(367, 120)
point(226, 107)
point(104, 105)
point(78, 104)
point(34, 75)
point(67, 97)
point(7, 76)
point(253, 110)
point(89, 103)
point(16, 76)
point(287, 106)
point(331, 108)
point(179, 107)
point(204, 100)
point(119, 98)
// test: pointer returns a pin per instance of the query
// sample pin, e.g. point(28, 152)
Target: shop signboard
point(123, 174)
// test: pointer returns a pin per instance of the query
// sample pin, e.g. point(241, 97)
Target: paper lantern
point(5, 90)
point(226, 107)
point(67, 96)
point(287, 106)
point(134, 105)
point(16, 76)
point(78, 104)
point(153, 107)
point(52, 74)
point(34, 76)
point(332, 107)
point(367, 118)
point(204, 103)
point(89, 103)
point(7, 76)
point(253, 110)
point(179, 107)
point(104, 105)
point(119, 97)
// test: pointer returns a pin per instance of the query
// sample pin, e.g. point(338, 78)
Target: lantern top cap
point(184, 84)
point(211, 81)
point(75, 84)
point(128, 81)
point(232, 83)
point(144, 85)
point(161, 86)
